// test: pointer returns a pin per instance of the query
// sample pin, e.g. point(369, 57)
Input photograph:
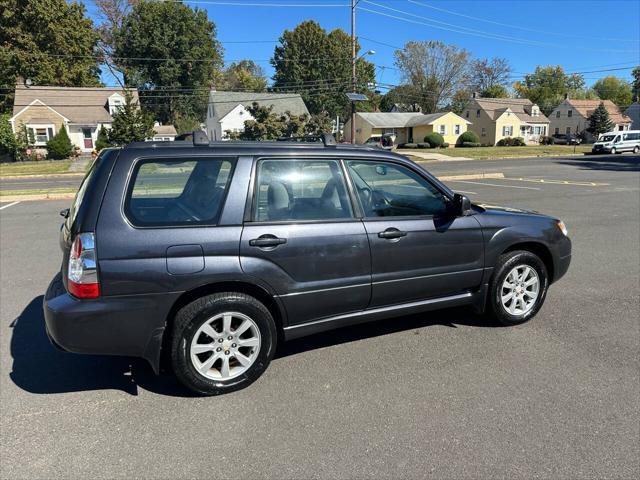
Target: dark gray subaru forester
point(208, 254)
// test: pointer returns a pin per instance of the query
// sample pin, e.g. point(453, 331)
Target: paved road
point(442, 395)
point(8, 183)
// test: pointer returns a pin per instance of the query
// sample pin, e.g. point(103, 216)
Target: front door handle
point(391, 233)
point(267, 241)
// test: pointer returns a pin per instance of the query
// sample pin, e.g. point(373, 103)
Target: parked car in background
point(386, 141)
point(618, 142)
point(566, 139)
point(209, 254)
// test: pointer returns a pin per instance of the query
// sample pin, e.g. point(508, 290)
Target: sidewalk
point(432, 156)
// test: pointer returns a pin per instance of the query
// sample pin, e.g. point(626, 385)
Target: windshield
point(606, 138)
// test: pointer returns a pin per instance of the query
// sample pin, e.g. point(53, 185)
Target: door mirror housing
point(461, 205)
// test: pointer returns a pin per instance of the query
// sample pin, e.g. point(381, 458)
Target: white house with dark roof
point(81, 111)
point(572, 117)
point(227, 111)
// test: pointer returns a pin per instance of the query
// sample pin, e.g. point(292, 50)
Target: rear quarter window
point(178, 192)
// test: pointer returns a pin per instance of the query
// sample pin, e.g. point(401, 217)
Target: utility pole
point(353, 69)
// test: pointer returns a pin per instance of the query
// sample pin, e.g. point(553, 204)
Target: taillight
point(82, 274)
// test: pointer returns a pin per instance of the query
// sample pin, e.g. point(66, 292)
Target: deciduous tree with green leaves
point(615, 89)
point(243, 76)
point(269, 125)
point(495, 91)
point(130, 124)
point(548, 85)
point(599, 121)
point(317, 65)
point(187, 58)
point(50, 42)
point(8, 142)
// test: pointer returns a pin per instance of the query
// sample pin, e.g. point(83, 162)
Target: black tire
point(636, 150)
point(189, 319)
point(613, 151)
point(506, 263)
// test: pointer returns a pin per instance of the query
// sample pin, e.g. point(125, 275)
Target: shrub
point(469, 144)
point(468, 137)
point(434, 139)
point(424, 145)
point(547, 140)
point(103, 139)
point(511, 142)
point(410, 145)
point(444, 145)
point(60, 147)
point(504, 142)
point(518, 142)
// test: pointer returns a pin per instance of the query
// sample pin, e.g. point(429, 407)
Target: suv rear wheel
point(518, 287)
point(222, 342)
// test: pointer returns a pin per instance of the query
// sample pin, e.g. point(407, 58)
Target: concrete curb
point(471, 176)
point(42, 175)
point(40, 196)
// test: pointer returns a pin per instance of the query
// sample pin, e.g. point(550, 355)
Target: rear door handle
point(391, 233)
point(267, 241)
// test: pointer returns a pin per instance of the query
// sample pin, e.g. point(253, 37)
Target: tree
point(130, 124)
point(269, 125)
point(60, 146)
point(317, 65)
point(403, 97)
point(495, 91)
point(8, 143)
point(244, 76)
point(103, 139)
point(50, 42)
point(599, 121)
point(548, 85)
point(485, 74)
point(434, 69)
point(187, 58)
point(635, 86)
point(614, 89)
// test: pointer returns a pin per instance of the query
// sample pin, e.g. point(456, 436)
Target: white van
point(618, 142)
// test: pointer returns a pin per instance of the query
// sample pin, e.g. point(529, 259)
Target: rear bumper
point(125, 325)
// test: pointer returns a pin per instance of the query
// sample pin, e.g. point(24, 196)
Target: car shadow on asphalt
point(40, 368)
point(619, 163)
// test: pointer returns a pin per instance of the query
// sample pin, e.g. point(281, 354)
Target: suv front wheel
point(222, 342)
point(518, 287)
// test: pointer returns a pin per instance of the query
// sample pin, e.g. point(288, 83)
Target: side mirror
point(461, 205)
point(64, 213)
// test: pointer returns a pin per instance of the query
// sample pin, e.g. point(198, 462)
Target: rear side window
point(301, 190)
point(178, 192)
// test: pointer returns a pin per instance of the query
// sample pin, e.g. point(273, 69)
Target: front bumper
point(131, 325)
point(600, 149)
point(561, 258)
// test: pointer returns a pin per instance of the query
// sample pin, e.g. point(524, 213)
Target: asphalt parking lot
point(439, 395)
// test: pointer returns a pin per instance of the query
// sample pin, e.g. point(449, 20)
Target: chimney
point(474, 95)
point(566, 96)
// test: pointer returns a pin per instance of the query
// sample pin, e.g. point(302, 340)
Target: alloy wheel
point(520, 290)
point(225, 346)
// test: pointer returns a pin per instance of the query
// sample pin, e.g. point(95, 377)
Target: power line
point(464, 30)
point(518, 27)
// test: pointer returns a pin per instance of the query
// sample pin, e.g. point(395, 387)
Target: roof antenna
point(200, 138)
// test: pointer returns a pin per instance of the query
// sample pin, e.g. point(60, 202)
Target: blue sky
point(579, 35)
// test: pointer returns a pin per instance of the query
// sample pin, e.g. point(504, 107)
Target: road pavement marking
point(560, 182)
point(9, 205)
point(495, 185)
point(469, 193)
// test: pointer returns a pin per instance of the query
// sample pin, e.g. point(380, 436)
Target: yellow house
point(407, 126)
point(498, 118)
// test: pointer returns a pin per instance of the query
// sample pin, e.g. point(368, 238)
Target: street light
point(353, 85)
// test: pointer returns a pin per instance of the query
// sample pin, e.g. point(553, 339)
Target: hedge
point(424, 145)
point(434, 139)
point(468, 137)
point(469, 144)
point(511, 142)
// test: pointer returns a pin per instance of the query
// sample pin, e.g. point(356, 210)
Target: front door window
point(88, 140)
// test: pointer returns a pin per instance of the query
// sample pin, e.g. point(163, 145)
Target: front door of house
point(88, 140)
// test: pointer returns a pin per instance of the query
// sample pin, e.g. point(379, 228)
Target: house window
point(442, 129)
point(484, 132)
point(467, 114)
point(543, 130)
point(478, 113)
point(41, 133)
point(570, 113)
point(558, 114)
point(507, 130)
point(114, 105)
point(456, 130)
point(568, 130)
point(557, 130)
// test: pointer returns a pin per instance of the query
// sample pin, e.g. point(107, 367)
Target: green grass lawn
point(44, 167)
point(486, 153)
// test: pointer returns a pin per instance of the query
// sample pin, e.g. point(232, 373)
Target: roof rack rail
point(327, 139)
